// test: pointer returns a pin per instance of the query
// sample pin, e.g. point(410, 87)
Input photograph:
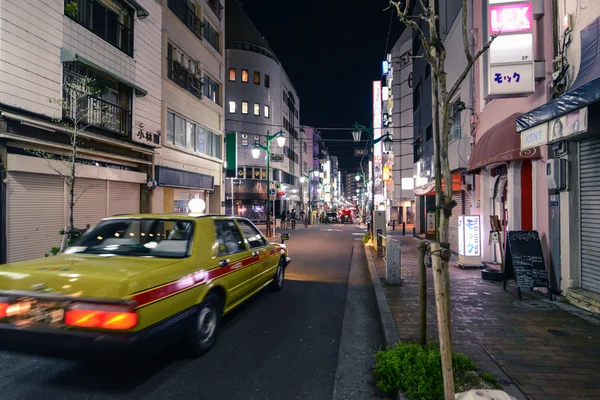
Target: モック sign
point(469, 236)
point(511, 65)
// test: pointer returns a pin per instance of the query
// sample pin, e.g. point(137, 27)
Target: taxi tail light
point(3, 306)
point(101, 316)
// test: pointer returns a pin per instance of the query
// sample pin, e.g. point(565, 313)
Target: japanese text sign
point(507, 18)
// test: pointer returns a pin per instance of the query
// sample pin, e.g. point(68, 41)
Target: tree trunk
point(72, 188)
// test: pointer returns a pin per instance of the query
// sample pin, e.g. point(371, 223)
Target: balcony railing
point(217, 8)
point(187, 16)
point(184, 78)
point(95, 17)
point(99, 114)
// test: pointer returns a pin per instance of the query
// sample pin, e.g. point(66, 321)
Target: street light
point(255, 153)
point(302, 179)
point(357, 177)
point(387, 145)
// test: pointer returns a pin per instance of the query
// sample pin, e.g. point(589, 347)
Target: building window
point(256, 78)
point(244, 107)
point(456, 129)
point(191, 136)
point(211, 89)
point(267, 115)
point(184, 71)
point(111, 20)
point(428, 133)
point(257, 109)
point(109, 110)
point(211, 35)
point(231, 106)
point(267, 81)
point(245, 75)
point(417, 96)
point(305, 147)
point(187, 12)
point(232, 74)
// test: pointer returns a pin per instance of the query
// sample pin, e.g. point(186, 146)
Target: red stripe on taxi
point(195, 279)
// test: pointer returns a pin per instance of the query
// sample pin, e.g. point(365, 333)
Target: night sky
point(332, 51)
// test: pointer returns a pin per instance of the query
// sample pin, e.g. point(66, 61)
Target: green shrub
point(366, 238)
point(417, 372)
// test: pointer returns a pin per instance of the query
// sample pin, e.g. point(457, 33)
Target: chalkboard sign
point(525, 261)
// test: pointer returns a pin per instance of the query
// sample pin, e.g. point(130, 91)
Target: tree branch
point(464, 32)
point(465, 72)
point(405, 19)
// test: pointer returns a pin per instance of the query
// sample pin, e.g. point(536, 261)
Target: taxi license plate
point(40, 312)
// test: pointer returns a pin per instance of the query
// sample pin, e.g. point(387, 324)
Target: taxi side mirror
point(284, 237)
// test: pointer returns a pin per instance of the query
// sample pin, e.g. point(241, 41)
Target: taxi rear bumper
point(81, 344)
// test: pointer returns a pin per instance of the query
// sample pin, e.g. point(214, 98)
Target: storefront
point(428, 191)
point(504, 179)
point(570, 124)
point(37, 199)
point(178, 187)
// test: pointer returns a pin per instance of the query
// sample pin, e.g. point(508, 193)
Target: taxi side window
point(252, 234)
point(228, 237)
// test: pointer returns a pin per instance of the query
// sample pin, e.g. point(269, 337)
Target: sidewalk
point(548, 354)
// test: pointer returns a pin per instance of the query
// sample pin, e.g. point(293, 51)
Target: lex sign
point(510, 18)
point(510, 64)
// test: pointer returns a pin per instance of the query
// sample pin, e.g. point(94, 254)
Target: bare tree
point(442, 107)
point(81, 109)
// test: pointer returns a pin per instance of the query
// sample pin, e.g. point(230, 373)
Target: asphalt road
point(285, 345)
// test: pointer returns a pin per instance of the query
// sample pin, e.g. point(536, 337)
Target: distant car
point(137, 282)
point(332, 217)
point(346, 216)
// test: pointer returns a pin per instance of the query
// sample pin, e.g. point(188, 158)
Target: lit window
point(245, 75)
point(232, 74)
point(256, 78)
point(257, 109)
point(244, 107)
point(232, 107)
point(266, 111)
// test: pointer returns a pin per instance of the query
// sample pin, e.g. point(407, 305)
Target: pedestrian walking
point(282, 221)
point(293, 218)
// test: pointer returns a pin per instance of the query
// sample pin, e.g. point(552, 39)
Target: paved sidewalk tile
point(549, 354)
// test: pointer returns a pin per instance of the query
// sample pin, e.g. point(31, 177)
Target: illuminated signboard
point(511, 63)
point(508, 18)
point(377, 120)
point(385, 66)
point(469, 231)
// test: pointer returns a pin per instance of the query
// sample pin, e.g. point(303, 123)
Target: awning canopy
point(499, 144)
point(584, 91)
point(67, 55)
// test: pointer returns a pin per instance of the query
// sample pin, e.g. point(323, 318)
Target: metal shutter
point(456, 211)
point(589, 165)
point(35, 214)
point(124, 198)
point(90, 207)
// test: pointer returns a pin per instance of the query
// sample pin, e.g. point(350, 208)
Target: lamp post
point(255, 153)
point(307, 176)
point(387, 145)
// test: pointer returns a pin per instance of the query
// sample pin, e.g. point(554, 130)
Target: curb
point(389, 330)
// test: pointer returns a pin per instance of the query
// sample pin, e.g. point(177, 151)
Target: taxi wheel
point(279, 277)
point(206, 325)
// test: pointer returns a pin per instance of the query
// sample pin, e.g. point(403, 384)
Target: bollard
point(404, 229)
point(393, 224)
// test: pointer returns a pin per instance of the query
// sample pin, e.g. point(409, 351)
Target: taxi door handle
point(223, 263)
point(254, 253)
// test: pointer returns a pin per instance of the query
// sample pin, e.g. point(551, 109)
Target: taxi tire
point(278, 280)
point(213, 304)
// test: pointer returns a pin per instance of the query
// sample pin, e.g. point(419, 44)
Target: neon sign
point(510, 18)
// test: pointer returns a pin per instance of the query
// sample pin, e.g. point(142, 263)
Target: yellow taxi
point(138, 282)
